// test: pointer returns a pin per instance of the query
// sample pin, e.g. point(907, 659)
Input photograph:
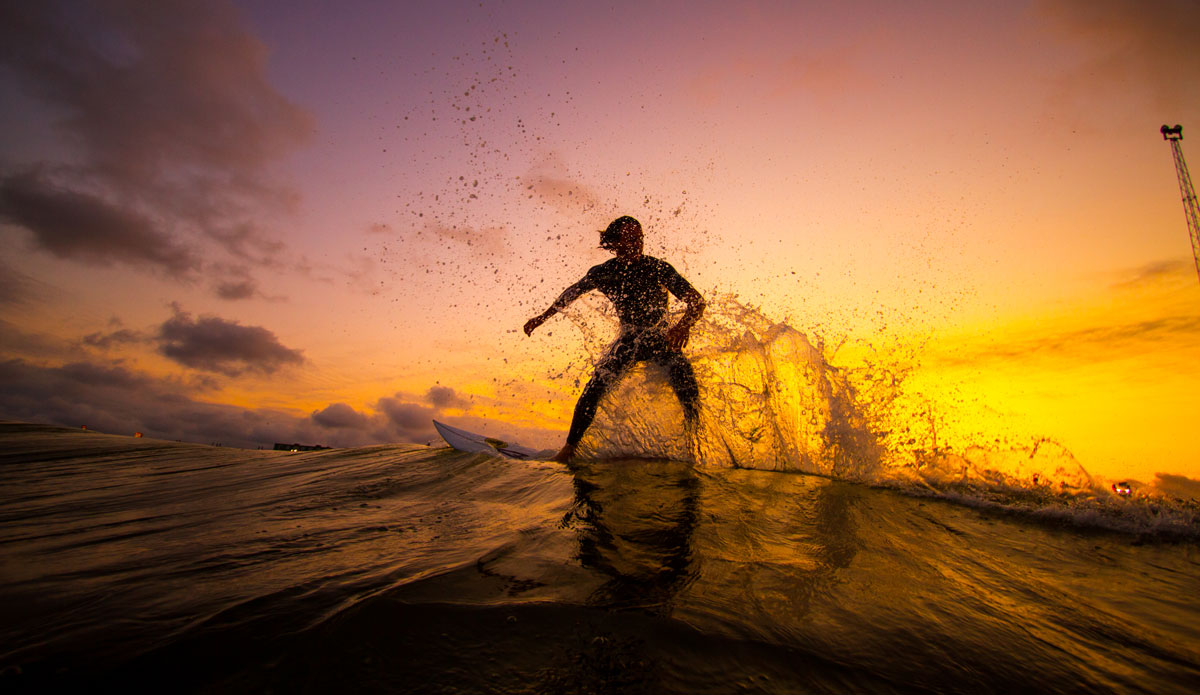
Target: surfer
point(637, 285)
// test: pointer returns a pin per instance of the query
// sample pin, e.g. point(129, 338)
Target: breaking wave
point(773, 399)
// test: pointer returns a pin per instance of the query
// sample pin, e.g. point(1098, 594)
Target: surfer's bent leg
point(682, 379)
point(608, 372)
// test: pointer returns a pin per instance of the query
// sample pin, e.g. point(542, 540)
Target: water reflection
point(733, 547)
point(774, 550)
point(835, 525)
point(636, 519)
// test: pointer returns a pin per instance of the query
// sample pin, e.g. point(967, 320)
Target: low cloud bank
point(116, 399)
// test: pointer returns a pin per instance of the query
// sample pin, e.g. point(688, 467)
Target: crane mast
point(1190, 207)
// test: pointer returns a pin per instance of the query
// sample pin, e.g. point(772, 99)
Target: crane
point(1190, 208)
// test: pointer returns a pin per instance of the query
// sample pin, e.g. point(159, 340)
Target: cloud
point(1172, 271)
point(340, 415)
point(1146, 44)
point(118, 337)
point(551, 180)
point(238, 289)
point(234, 282)
point(16, 341)
point(488, 241)
point(148, 88)
point(1095, 343)
point(1124, 336)
point(246, 240)
point(1144, 312)
point(112, 398)
point(170, 124)
point(17, 287)
point(225, 347)
point(1178, 485)
point(442, 397)
point(409, 421)
point(80, 226)
point(398, 417)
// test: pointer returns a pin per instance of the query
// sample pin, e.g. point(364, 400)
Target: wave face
point(772, 400)
point(157, 565)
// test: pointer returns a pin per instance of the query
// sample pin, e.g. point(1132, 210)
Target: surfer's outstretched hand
point(677, 337)
point(534, 323)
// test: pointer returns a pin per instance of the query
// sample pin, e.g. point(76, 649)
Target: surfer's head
point(623, 236)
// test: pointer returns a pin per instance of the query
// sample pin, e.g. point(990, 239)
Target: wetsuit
point(638, 290)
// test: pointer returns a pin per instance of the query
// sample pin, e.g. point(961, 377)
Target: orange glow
point(995, 211)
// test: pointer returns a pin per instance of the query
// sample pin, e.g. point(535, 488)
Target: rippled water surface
point(150, 564)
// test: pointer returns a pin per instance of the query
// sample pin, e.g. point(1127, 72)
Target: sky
point(247, 221)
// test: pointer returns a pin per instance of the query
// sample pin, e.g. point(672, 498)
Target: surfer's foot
point(567, 453)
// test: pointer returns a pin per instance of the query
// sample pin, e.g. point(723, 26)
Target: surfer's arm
point(678, 335)
point(569, 295)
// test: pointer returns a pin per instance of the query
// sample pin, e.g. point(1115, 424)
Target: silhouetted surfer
point(637, 285)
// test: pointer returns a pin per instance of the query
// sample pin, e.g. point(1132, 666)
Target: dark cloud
point(84, 227)
point(16, 341)
point(76, 394)
point(442, 397)
point(234, 282)
point(148, 88)
point(170, 120)
point(398, 417)
point(112, 398)
point(340, 415)
point(104, 376)
point(1146, 44)
point(237, 289)
point(120, 336)
point(225, 347)
point(409, 421)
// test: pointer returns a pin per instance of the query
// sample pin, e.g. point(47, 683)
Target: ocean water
point(150, 565)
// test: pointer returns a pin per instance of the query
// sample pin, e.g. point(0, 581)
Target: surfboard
point(480, 444)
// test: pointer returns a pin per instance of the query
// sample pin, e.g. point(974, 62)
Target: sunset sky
point(247, 222)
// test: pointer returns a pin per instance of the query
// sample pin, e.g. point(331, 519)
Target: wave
point(159, 565)
point(773, 399)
